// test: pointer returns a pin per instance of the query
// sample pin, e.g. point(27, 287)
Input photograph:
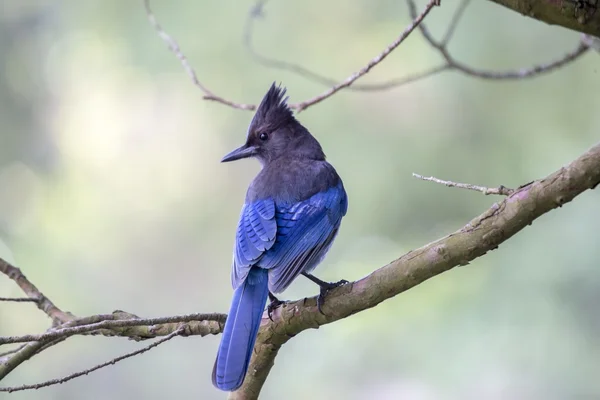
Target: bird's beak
point(241, 152)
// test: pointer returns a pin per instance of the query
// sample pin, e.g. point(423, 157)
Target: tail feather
point(240, 331)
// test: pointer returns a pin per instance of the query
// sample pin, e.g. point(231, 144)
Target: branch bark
point(484, 233)
point(578, 15)
point(119, 323)
point(58, 316)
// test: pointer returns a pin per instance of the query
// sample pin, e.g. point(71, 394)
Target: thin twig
point(394, 83)
point(174, 47)
point(442, 46)
point(95, 368)
point(335, 87)
point(257, 11)
point(58, 316)
point(19, 299)
point(453, 64)
point(379, 58)
point(460, 11)
point(500, 190)
point(110, 324)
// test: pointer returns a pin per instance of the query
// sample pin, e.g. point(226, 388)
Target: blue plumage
point(305, 231)
point(291, 216)
point(240, 330)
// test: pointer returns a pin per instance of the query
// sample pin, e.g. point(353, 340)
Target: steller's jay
point(291, 215)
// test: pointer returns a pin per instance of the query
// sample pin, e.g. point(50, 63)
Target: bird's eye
point(263, 136)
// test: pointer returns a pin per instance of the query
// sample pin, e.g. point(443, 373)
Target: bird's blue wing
point(255, 234)
point(305, 231)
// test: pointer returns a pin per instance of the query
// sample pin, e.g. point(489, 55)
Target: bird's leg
point(274, 302)
point(325, 288)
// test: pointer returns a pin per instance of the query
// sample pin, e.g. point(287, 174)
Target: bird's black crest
point(273, 109)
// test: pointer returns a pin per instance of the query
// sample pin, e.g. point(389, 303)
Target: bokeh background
point(112, 195)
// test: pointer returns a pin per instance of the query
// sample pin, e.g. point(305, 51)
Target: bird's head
point(274, 132)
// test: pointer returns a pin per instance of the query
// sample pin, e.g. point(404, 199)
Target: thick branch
point(578, 15)
point(482, 234)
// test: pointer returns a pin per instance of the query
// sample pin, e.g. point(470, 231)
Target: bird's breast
point(292, 181)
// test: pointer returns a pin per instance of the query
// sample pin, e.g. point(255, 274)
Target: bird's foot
point(324, 290)
point(274, 302)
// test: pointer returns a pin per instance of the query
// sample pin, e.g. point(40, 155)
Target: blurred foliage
point(112, 195)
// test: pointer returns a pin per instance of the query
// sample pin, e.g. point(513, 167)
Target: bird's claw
point(273, 304)
point(325, 290)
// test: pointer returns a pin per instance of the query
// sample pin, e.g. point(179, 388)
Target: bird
point(291, 215)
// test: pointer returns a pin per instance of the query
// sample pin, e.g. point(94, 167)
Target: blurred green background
point(112, 195)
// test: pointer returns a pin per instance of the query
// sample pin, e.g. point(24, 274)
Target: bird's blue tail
point(240, 331)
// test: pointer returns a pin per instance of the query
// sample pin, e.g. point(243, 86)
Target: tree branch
point(18, 299)
point(484, 233)
point(501, 190)
point(118, 323)
point(208, 95)
point(145, 328)
point(453, 64)
point(58, 316)
point(174, 47)
point(479, 236)
point(450, 63)
point(23, 354)
point(379, 58)
point(578, 15)
point(9, 352)
point(258, 11)
point(57, 381)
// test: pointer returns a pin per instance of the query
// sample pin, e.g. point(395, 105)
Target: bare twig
point(460, 11)
point(450, 63)
point(58, 316)
point(107, 325)
point(174, 47)
point(95, 368)
point(453, 64)
point(257, 11)
point(379, 58)
point(111, 324)
point(18, 299)
point(500, 190)
point(335, 87)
